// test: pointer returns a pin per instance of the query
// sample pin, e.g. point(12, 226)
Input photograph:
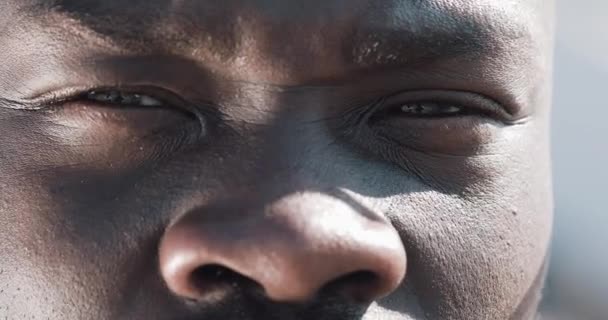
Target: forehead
point(233, 26)
point(290, 41)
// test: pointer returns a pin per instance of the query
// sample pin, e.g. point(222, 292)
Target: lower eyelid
point(457, 136)
point(90, 112)
point(448, 123)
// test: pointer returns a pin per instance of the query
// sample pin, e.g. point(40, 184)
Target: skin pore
point(262, 159)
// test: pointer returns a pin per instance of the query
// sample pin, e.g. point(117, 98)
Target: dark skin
point(260, 159)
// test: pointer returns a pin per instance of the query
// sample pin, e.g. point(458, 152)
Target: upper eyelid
point(32, 104)
point(59, 97)
point(44, 100)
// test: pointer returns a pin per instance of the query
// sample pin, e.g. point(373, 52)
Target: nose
point(292, 250)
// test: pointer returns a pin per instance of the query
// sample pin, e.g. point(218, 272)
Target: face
point(273, 159)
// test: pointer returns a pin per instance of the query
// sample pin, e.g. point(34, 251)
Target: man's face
point(259, 159)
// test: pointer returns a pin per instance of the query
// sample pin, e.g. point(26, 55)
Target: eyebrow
point(426, 31)
point(386, 48)
point(428, 34)
point(134, 24)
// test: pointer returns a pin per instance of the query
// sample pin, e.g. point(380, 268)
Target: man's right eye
point(153, 114)
point(117, 97)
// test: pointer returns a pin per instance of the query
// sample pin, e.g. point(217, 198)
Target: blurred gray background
point(578, 280)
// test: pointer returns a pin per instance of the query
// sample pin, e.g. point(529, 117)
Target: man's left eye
point(429, 109)
point(117, 97)
point(449, 123)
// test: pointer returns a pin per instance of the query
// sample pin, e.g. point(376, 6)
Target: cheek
point(59, 218)
point(72, 245)
point(480, 252)
point(36, 263)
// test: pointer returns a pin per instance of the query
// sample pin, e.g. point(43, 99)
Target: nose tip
point(291, 257)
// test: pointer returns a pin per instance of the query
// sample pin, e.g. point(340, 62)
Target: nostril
point(211, 280)
point(359, 286)
point(210, 274)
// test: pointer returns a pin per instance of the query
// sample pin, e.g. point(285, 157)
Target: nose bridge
point(285, 227)
point(299, 153)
